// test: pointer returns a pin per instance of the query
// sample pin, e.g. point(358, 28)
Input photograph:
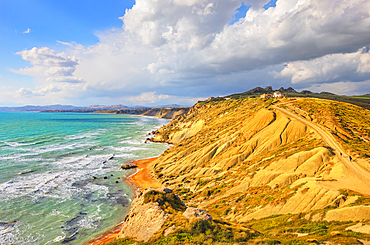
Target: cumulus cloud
point(329, 68)
point(188, 48)
point(193, 41)
point(49, 65)
point(27, 31)
point(293, 30)
point(40, 91)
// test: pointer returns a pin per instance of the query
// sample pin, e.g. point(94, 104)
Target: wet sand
point(141, 179)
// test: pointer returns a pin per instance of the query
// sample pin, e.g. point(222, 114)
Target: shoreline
point(141, 179)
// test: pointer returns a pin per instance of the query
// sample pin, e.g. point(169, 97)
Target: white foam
point(59, 183)
point(60, 147)
point(125, 148)
point(57, 239)
point(125, 156)
point(84, 135)
point(16, 144)
point(132, 142)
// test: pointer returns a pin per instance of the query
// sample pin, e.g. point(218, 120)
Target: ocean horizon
point(60, 175)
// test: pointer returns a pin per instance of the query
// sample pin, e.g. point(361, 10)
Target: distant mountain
point(63, 108)
point(103, 107)
point(40, 108)
point(70, 108)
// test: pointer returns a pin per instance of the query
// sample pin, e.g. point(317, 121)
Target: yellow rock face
point(247, 155)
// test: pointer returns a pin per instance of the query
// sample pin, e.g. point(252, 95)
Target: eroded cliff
point(251, 158)
point(274, 166)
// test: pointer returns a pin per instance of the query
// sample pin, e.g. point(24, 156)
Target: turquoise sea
point(58, 173)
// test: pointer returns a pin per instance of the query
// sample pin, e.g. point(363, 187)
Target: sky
point(157, 52)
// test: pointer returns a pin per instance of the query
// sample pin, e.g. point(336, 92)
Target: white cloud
point(188, 49)
point(354, 88)
point(330, 68)
point(148, 97)
point(27, 31)
point(189, 44)
point(49, 65)
point(153, 98)
point(40, 91)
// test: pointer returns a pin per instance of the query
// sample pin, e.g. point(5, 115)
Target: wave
point(131, 142)
point(66, 171)
point(83, 136)
point(59, 182)
point(16, 144)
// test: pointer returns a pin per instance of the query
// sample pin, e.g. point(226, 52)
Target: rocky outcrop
point(151, 209)
point(143, 220)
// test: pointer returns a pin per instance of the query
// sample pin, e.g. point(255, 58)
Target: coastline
point(141, 179)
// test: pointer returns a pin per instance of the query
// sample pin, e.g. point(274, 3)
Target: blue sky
point(49, 22)
point(148, 52)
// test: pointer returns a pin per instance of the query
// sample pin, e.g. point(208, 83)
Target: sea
point(61, 180)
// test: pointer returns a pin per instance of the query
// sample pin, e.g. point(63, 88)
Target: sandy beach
point(142, 179)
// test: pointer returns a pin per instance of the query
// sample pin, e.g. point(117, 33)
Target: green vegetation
point(169, 202)
point(278, 229)
point(362, 199)
point(198, 231)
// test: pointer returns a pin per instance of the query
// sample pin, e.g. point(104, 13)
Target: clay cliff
point(161, 113)
point(296, 171)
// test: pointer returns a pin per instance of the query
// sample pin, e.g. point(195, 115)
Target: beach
point(141, 179)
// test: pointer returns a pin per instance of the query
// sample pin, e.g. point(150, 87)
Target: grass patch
point(168, 201)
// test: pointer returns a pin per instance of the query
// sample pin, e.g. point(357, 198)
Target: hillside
point(294, 170)
point(248, 159)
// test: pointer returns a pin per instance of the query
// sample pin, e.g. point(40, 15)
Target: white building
point(277, 94)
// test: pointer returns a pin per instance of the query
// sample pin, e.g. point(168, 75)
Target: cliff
point(294, 170)
point(160, 113)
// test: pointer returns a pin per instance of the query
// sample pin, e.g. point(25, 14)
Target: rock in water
point(128, 166)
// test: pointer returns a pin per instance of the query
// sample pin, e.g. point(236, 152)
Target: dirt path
point(355, 177)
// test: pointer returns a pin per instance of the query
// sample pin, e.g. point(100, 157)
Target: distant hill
point(62, 108)
point(359, 100)
point(40, 108)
